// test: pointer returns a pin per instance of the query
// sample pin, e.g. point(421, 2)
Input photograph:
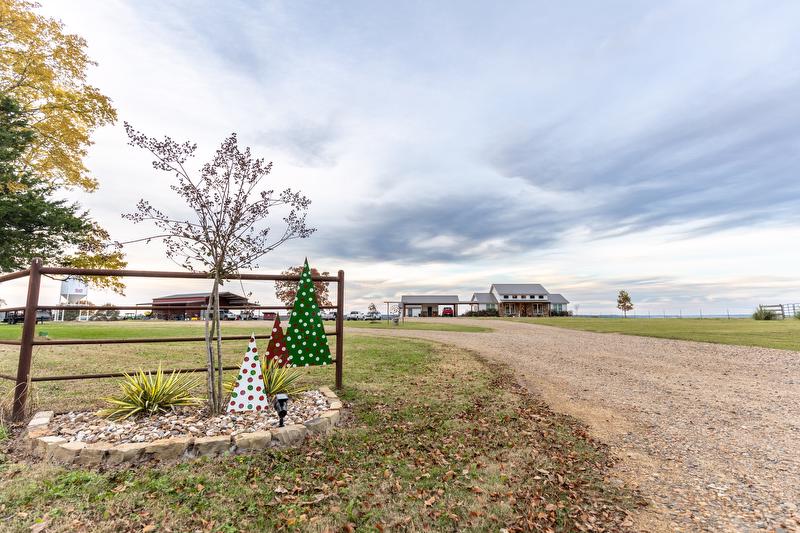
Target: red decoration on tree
point(277, 347)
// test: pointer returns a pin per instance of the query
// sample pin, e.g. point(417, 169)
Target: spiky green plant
point(277, 380)
point(149, 394)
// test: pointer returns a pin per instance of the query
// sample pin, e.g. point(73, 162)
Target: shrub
point(277, 380)
point(151, 394)
point(764, 314)
point(797, 315)
point(482, 312)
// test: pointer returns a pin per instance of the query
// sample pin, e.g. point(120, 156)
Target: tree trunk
point(220, 390)
point(210, 326)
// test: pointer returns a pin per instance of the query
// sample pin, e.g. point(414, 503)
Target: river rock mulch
point(88, 427)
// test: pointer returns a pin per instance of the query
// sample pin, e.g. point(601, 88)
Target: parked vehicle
point(447, 311)
point(355, 315)
point(17, 317)
point(372, 315)
point(328, 315)
point(223, 315)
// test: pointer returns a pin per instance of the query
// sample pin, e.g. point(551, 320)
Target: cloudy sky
point(651, 146)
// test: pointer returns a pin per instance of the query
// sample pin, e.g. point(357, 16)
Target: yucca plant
point(150, 394)
point(277, 380)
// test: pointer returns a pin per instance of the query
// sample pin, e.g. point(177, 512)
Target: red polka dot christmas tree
point(306, 341)
point(248, 392)
point(277, 345)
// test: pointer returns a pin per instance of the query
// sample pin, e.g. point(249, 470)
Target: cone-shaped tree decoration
point(305, 337)
point(248, 392)
point(277, 345)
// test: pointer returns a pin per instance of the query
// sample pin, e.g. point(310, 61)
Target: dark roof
point(484, 298)
point(200, 296)
point(519, 288)
point(557, 299)
point(429, 299)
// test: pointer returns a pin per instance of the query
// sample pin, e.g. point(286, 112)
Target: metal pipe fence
point(27, 341)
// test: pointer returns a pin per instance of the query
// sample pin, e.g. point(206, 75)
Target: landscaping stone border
point(54, 449)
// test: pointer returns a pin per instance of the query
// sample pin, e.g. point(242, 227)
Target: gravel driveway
point(710, 433)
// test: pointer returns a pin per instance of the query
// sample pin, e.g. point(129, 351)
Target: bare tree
point(372, 308)
point(229, 229)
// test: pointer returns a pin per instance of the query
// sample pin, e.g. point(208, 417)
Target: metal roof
point(484, 298)
point(199, 295)
point(429, 299)
point(558, 299)
point(519, 288)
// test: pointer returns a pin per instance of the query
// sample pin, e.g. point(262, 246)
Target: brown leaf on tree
point(286, 291)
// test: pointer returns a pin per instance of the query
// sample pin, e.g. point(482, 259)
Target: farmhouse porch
point(524, 309)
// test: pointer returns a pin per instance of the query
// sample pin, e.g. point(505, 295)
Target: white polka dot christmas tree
point(306, 341)
point(248, 392)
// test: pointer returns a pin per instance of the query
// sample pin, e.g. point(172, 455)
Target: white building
point(520, 299)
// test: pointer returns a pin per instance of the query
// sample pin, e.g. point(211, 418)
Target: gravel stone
point(88, 427)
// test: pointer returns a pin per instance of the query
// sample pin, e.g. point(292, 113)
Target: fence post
point(26, 344)
point(339, 328)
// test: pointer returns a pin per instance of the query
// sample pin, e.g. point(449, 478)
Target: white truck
point(355, 315)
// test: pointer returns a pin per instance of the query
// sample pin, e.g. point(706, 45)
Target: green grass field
point(160, 328)
point(782, 334)
point(434, 439)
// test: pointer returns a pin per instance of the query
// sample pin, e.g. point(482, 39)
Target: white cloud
point(446, 147)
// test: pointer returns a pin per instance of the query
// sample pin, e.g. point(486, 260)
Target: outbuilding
point(183, 306)
point(427, 304)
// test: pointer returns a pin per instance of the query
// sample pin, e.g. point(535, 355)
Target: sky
point(589, 147)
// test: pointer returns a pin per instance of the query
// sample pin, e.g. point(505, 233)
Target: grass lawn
point(445, 324)
point(783, 334)
point(434, 439)
point(161, 328)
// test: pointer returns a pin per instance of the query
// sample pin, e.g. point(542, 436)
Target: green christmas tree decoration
point(305, 336)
